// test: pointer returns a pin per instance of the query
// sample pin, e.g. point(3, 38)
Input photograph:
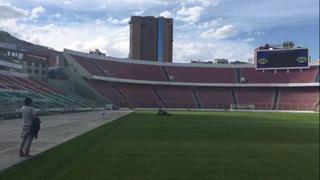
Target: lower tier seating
point(259, 98)
point(16, 89)
point(156, 96)
point(298, 98)
point(215, 98)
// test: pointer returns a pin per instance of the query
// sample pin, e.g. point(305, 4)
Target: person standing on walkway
point(28, 114)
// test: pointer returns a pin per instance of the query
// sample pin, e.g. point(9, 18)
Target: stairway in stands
point(317, 79)
point(100, 69)
point(165, 72)
point(159, 97)
point(196, 98)
point(123, 95)
point(234, 97)
point(237, 75)
point(275, 99)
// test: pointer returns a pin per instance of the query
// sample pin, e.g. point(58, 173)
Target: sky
point(203, 29)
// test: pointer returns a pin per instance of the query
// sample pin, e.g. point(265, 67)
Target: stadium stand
point(14, 89)
point(135, 84)
point(137, 95)
point(215, 98)
point(259, 98)
point(131, 71)
point(302, 98)
point(280, 76)
point(177, 96)
point(110, 91)
point(202, 74)
point(88, 65)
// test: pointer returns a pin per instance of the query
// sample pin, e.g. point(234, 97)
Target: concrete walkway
point(55, 129)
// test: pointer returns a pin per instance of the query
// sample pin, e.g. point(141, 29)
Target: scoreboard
point(282, 58)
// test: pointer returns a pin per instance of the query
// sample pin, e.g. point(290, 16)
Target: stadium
point(146, 116)
point(187, 144)
point(125, 83)
point(140, 84)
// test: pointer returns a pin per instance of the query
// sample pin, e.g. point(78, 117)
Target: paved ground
point(55, 129)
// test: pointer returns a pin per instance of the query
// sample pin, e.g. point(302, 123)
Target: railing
point(74, 85)
point(225, 106)
point(9, 110)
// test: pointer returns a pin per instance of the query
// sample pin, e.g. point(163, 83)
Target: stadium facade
point(17, 60)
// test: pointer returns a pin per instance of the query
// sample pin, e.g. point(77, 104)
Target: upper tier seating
point(131, 71)
point(202, 74)
point(154, 72)
point(88, 65)
point(281, 76)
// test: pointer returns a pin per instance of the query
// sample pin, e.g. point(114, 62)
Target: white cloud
point(67, 2)
point(250, 39)
point(9, 12)
point(118, 21)
point(113, 40)
point(224, 32)
point(166, 14)
point(209, 24)
point(190, 15)
point(44, 29)
point(36, 13)
point(83, 37)
point(21, 31)
point(57, 15)
point(97, 22)
point(112, 45)
point(138, 13)
point(80, 36)
point(99, 43)
point(206, 51)
point(206, 3)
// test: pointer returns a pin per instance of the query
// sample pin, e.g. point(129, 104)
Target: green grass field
point(185, 146)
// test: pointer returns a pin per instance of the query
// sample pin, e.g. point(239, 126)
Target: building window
point(43, 72)
point(43, 65)
point(36, 71)
point(36, 64)
point(20, 56)
point(14, 54)
point(29, 71)
point(29, 63)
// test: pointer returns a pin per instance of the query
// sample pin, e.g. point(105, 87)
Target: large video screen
point(281, 59)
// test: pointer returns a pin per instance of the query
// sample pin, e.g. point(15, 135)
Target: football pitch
point(186, 146)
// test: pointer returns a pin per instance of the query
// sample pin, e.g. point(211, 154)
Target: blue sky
point(203, 29)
